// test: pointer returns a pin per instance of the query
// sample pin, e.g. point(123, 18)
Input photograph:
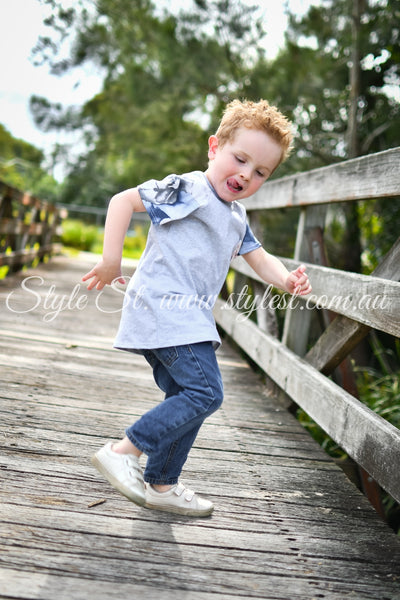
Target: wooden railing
point(354, 304)
point(28, 227)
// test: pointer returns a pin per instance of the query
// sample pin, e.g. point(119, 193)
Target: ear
point(212, 146)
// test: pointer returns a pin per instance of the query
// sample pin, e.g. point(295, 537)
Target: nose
point(245, 173)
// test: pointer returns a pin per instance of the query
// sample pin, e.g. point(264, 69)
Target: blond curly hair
point(256, 115)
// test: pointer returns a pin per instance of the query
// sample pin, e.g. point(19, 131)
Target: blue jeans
point(190, 377)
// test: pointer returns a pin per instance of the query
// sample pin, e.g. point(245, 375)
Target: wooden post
point(297, 320)
point(266, 315)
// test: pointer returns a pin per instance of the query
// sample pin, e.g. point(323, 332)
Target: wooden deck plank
point(288, 524)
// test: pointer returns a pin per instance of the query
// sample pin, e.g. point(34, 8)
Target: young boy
point(197, 227)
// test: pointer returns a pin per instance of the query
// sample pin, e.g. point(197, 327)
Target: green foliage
point(81, 236)
point(311, 82)
point(21, 167)
point(167, 77)
point(4, 271)
point(13, 148)
point(382, 394)
point(279, 228)
point(162, 73)
point(135, 243)
point(379, 388)
point(328, 30)
point(76, 234)
point(379, 224)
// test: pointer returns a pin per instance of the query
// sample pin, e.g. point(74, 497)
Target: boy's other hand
point(298, 283)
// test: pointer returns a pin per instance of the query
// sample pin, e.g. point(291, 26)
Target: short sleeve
point(170, 199)
point(250, 242)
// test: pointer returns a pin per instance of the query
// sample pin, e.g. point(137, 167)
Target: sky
point(21, 22)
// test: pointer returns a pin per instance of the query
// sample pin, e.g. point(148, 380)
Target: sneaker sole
point(132, 496)
point(177, 510)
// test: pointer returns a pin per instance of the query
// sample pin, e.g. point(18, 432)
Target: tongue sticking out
point(234, 185)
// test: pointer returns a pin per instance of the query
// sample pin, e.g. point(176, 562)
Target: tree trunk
point(353, 148)
point(352, 245)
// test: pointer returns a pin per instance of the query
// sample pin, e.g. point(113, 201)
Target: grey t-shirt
point(192, 239)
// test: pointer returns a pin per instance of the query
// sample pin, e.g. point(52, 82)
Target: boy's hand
point(297, 282)
point(103, 274)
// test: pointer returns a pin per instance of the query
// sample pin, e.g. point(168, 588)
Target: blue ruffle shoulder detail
point(170, 199)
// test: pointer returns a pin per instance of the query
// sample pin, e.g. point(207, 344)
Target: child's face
point(239, 168)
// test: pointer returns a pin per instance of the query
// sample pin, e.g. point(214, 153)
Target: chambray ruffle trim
point(172, 198)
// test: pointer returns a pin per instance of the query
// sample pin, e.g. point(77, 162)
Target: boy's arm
point(273, 271)
point(119, 215)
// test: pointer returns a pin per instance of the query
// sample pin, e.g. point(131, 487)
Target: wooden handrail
point(369, 300)
point(372, 176)
point(356, 303)
point(28, 227)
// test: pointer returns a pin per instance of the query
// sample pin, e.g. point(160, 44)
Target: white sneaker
point(122, 471)
point(178, 500)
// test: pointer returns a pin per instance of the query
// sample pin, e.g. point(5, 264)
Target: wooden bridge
point(288, 523)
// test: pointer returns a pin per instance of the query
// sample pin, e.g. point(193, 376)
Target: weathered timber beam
point(336, 342)
point(9, 192)
point(24, 257)
point(370, 440)
point(16, 227)
point(372, 301)
point(343, 334)
point(372, 176)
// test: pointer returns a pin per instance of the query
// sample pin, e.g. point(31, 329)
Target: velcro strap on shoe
point(180, 489)
point(189, 495)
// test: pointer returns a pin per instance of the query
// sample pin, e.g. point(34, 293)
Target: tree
point(355, 44)
point(21, 166)
point(163, 75)
point(167, 77)
point(336, 74)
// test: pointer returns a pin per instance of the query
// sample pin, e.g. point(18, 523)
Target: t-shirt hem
point(139, 350)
